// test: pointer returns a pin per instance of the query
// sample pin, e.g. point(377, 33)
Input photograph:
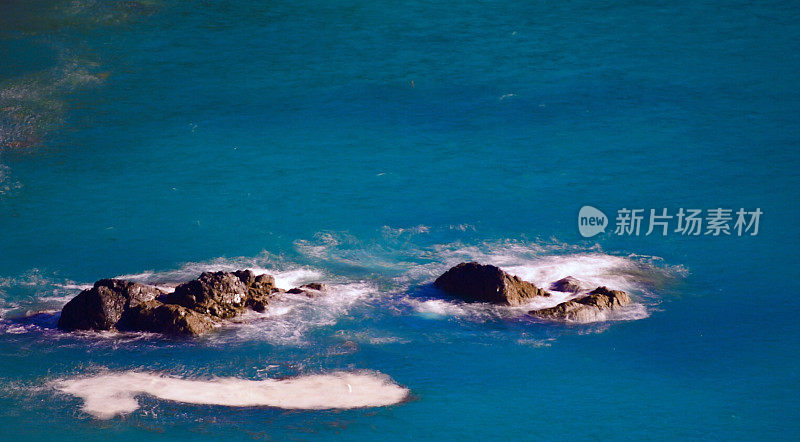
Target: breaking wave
point(541, 263)
point(29, 302)
point(286, 277)
point(639, 276)
point(368, 281)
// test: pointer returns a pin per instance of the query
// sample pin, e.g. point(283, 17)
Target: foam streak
point(112, 394)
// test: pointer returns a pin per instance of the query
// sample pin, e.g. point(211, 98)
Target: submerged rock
point(193, 308)
point(473, 282)
point(315, 286)
point(586, 309)
point(311, 290)
point(568, 284)
point(102, 306)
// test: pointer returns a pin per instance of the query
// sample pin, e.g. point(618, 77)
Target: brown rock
point(473, 282)
point(311, 290)
point(101, 307)
point(219, 294)
point(193, 308)
point(568, 284)
point(172, 319)
point(586, 309)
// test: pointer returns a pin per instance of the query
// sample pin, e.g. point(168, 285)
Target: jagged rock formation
point(194, 308)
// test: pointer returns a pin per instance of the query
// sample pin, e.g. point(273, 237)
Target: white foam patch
point(444, 309)
point(593, 269)
point(293, 278)
point(108, 395)
point(291, 317)
point(75, 286)
point(438, 307)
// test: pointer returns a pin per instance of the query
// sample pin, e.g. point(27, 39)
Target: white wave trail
point(111, 394)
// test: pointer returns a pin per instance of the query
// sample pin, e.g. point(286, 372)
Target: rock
point(568, 284)
point(603, 297)
point(172, 319)
point(193, 308)
point(315, 286)
point(260, 291)
point(101, 307)
point(259, 306)
point(311, 290)
point(473, 282)
point(219, 294)
point(246, 276)
point(588, 308)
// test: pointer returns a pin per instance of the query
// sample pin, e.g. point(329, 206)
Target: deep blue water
point(370, 145)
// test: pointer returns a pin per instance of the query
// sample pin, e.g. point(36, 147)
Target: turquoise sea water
point(370, 145)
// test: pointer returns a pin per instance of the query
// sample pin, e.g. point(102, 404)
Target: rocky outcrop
point(102, 306)
point(223, 294)
point(473, 282)
point(568, 284)
point(587, 308)
point(192, 309)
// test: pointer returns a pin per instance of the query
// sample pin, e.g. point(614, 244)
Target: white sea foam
point(640, 276)
point(76, 286)
point(295, 277)
point(392, 269)
point(290, 318)
point(541, 262)
point(594, 269)
point(108, 395)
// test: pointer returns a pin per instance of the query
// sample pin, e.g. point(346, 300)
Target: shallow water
point(370, 147)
